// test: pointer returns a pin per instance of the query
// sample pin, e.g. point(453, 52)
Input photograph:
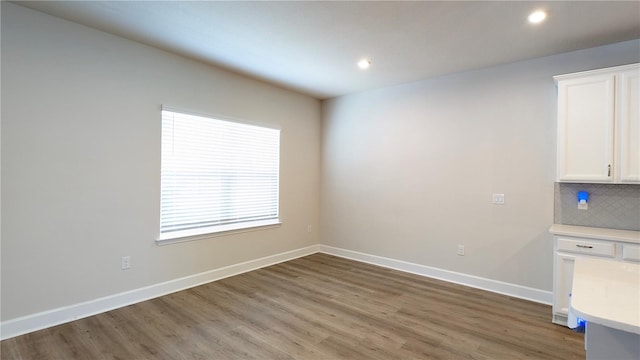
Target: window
point(216, 175)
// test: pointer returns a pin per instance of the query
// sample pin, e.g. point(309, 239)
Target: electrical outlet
point(308, 228)
point(461, 250)
point(126, 262)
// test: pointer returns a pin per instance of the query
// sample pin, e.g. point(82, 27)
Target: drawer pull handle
point(585, 246)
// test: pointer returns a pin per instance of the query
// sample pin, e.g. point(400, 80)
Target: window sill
point(209, 232)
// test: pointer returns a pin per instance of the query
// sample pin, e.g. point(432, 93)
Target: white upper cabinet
point(585, 128)
point(599, 125)
point(628, 132)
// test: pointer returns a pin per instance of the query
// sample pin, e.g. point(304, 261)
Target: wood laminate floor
point(315, 307)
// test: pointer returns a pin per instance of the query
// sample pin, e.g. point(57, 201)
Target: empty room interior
point(320, 180)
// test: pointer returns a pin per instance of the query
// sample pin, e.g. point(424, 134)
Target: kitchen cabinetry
point(571, 242)
point(599, 125)
point(628, 130)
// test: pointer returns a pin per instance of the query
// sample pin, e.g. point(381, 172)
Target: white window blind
point(216, 175)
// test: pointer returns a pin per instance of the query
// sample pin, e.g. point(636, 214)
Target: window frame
point(198, 233)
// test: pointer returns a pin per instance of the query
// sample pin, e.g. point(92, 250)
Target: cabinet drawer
point(588, 247)
point(631, 252)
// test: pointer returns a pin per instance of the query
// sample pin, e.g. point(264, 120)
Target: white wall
point(81, 162)
point(408, 171)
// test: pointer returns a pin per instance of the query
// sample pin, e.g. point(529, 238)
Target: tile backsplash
point(610, 206)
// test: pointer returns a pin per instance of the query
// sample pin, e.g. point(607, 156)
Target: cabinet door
point(628, 130)
point(563, 281)
point(585, 128)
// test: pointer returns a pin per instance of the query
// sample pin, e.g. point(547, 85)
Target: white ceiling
point(313, 47)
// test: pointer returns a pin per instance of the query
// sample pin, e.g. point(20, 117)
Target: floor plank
point(316, 307)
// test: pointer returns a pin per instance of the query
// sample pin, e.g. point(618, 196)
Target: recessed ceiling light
point(364, 64)
point(537, 16)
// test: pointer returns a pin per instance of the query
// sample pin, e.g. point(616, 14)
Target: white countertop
point(607, 292)
point(596, 233)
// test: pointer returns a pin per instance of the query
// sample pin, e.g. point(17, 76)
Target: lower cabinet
point(562, 287)
point(566, 249)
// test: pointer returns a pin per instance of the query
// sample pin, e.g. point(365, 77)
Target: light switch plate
point(498, 199)
point(126, 262)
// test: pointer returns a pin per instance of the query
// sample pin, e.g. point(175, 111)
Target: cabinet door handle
point(609, 170)
point(585, 246)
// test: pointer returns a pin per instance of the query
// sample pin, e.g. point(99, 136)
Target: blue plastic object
point(583, 196)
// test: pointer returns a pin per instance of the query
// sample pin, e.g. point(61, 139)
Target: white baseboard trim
point(45, 319)
point(517, 291)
